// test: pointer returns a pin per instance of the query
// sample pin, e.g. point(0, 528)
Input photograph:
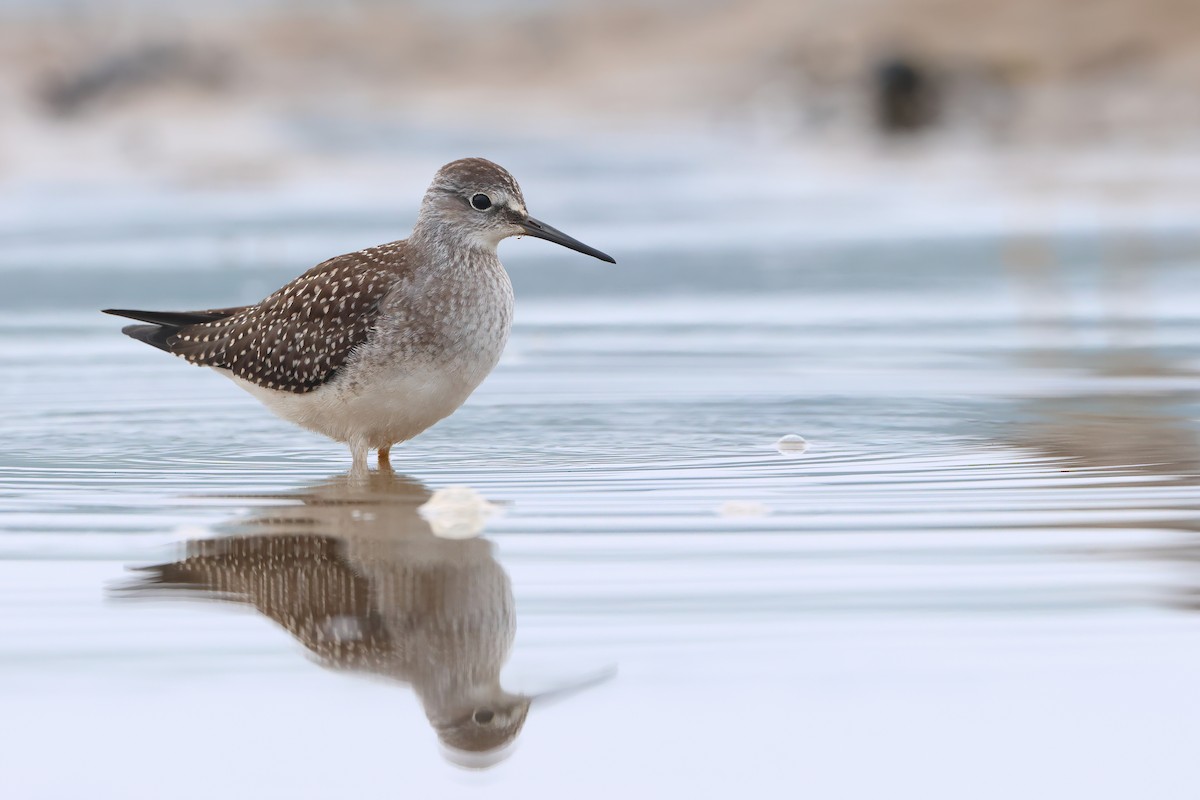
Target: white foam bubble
point(458, 512)
point(743, 508)
point(792, 444)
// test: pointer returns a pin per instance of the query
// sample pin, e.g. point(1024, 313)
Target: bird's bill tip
point(541, 230)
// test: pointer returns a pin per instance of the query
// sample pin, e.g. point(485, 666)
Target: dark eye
point(483, 716)
point(481, 202)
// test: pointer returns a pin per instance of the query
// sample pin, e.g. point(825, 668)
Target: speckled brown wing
point(296, 339)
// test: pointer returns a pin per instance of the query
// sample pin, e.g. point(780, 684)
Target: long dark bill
point(543, 231)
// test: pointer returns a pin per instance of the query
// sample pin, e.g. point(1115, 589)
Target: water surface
point(977, 581)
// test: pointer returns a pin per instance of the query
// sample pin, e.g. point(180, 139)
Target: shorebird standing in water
point(371, 348)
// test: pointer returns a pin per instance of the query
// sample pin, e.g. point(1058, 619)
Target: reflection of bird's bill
point(560, 693)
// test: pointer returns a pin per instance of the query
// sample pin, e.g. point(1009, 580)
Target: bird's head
point(479, 729)
point(482, 735)
point(478, 203)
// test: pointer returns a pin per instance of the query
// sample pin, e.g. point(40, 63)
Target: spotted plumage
point(373, 347)
point(296, 339)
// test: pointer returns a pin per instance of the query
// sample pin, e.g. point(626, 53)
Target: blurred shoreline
point(265, 94)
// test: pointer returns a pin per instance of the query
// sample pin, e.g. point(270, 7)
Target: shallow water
point(977, 581)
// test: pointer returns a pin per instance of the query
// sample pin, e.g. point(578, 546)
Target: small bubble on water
point(792, 444)
point(743, 508)
point(457, 512)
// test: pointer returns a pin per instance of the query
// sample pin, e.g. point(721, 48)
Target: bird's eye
point(481, 202)
point(483, 716)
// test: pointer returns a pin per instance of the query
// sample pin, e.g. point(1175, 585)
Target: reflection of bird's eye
point(483, 716)
point(481, 202)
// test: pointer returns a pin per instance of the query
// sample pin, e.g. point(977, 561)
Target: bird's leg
point(359, 450)
point(385, 460)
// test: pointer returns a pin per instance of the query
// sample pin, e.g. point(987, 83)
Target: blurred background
point(759, 123)
point(948, 114)
point(953, 244)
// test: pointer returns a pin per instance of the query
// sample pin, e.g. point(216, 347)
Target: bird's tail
point(162, 325)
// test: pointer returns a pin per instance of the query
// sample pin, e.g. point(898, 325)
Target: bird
point(373, 347)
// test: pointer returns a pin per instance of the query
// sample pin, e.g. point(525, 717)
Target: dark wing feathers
point(165, 324)
point(294, 340)
point(154, 335)
point(175, 319)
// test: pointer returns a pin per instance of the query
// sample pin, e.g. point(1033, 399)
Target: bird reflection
point(352, 571)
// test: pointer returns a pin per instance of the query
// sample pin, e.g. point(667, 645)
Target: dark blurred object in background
point(905, 95)
point(149, 66)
